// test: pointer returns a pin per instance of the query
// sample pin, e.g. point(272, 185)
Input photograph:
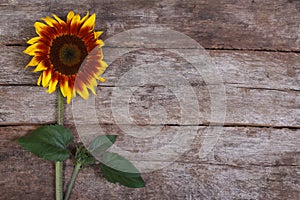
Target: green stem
point(60, 108)
point(58, 164)
point(58, 180)
point(72, 181)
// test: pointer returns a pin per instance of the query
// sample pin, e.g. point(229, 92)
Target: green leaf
point(101, 143)
point(48, 142)
point(117, 169)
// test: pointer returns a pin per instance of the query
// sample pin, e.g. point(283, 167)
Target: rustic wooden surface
point(255, 45)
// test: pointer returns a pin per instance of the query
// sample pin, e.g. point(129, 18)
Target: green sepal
point(84, 157)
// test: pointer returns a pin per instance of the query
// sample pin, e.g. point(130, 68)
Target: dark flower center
point(67, 54)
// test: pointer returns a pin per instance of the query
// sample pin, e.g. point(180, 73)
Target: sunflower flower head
point(68, 54)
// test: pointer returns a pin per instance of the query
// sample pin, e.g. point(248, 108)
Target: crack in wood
point(272, 89)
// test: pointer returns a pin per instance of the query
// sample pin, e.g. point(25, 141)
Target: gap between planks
point(242, 125)
point(207, 48)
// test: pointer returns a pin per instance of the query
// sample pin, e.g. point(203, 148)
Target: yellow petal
point(69, 97)
point(85, 17)
point(103, 67)
point(92, 89)
point(97, 34)
point(91, 84)
point(99, 43)
point(58, 19)
point(39, 80)
point(31, 49)
point(101, 79)
point(94, 82)
point(46, 78)
point(52, 86)
point(40, 67)
point(33, 40)
point(39, 26)
point(90, 22)
point(64, 88)
point(103, 64)
point(100, 53)
point(84, 93)
point(50, 21)
point(75, 24)
point(32, 63)
point(76, 18)
point(70, 16)
point(74, 93)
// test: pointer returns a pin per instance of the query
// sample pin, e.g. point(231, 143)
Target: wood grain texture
point(242, 167)
point(243, 107)
point(226, 24)
point(264, 85)
point(254, 44)
point(241, 68)
point(236, 147)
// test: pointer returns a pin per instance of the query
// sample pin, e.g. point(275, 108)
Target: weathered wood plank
point(258, 107)
point(236, 146)
point(12, 67)
point(241, 68)
point(247, 163)
point(17, 17)
point(24, 5)
point(179, 181)
point(189, 181)
point(225, 24)
point(262, 89)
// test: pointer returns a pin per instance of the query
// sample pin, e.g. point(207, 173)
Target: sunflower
point(68, 54)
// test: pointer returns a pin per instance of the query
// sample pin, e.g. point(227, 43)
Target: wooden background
point(254, 43)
